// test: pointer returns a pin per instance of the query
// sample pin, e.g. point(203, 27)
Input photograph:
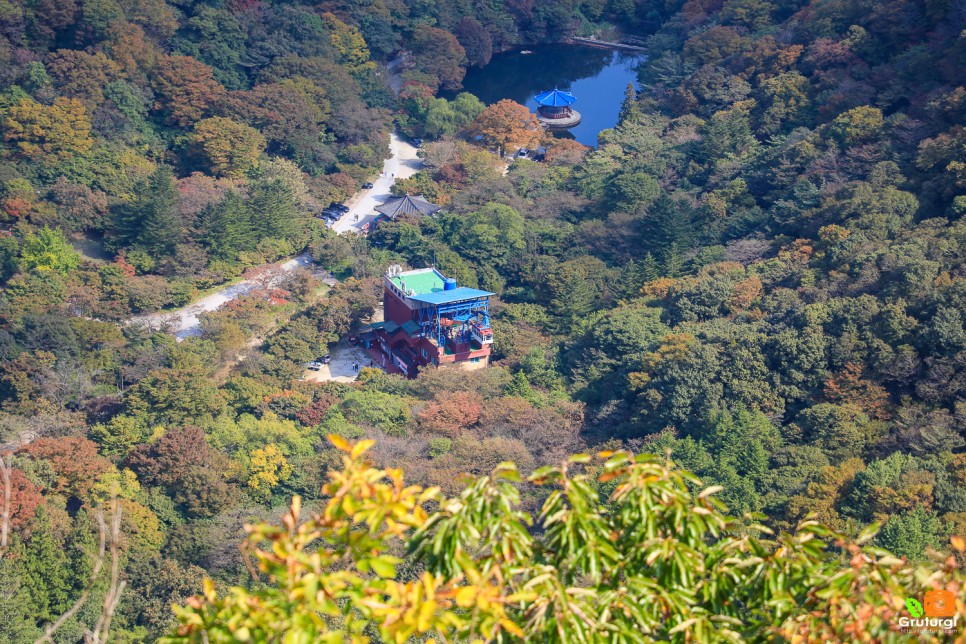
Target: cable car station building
point(429, 320)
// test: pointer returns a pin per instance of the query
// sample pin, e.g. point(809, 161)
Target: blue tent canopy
point(555, 98)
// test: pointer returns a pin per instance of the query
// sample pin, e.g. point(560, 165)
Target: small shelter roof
point(407, 205)
point(555, 98)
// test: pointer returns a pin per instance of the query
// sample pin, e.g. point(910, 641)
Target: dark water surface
point(597, 77)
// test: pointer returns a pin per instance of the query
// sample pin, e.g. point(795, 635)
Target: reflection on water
point(597, 77)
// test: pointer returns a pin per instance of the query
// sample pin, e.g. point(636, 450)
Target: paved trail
point(184, 321)
point(401, 164)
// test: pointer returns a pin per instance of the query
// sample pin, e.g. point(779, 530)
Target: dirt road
point(184, 321)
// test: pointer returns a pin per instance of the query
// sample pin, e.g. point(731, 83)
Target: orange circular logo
point(939, 603)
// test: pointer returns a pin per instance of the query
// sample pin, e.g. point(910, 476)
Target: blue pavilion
point(554, 109)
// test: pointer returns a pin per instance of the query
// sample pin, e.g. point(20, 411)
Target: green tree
point(16, 615)
point(910, 534)
point(49, 250)
point(274, 210)
point(228, 227)
point(677, 565)
point(576, 288)
point(630, 109)
point(150, 222)
point(491, 235)
point(45, 570)
point(175, 396)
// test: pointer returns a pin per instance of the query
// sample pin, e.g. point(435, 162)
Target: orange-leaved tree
point(506, 125)
point(630, 549)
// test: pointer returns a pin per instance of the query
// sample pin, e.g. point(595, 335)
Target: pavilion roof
point(407, 205)
point(555, 98)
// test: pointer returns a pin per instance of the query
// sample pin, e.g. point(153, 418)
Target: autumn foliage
point(507, 125)
point(230, 148)
point(450, 413)
point(49, 133)
point(74, 460)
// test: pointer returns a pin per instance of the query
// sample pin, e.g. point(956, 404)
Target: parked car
point(523, 153)
point(417, 143)
point(326, 359)
point(314, 366)
point(367, 185)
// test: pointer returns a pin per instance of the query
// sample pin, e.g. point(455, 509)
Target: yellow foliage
point(659, 288)
point(231, 148)
point(349, 42)
point(49, 133)
point(267, 469)
point(674, 346)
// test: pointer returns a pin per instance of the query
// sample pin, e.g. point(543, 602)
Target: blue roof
point(454, 295)
point(555, 98)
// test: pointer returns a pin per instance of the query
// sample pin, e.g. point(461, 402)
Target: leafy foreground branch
point(626, 553)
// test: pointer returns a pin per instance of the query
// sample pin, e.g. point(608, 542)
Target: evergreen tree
point(274, 210)
point(630, 109)
point(650, 269)
point(668, 221)
point(520, 386)
point(629, 279)
point(150, 223)
point(671, 261)
point(45, 570)
point(228, 227)
point(16, 624)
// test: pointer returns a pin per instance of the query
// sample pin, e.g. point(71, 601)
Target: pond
point(597, 77)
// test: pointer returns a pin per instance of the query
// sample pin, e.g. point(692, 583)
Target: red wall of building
point(394, 309)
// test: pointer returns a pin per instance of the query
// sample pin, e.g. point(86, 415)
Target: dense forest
point(759, 273)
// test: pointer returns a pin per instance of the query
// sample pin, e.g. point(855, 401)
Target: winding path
point(402, 163)
point(184, 322)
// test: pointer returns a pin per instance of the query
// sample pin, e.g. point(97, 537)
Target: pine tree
point(228, 227)
point(16, 623)
point(45, 570)
point(520, 386)
point(629, 279)
point(650, 269)
point(672, 262)
point(274, 211)
point(668, 222)
point(150, 223)
point(630, 109)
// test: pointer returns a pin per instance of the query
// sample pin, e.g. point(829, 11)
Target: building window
point(425, 355)
point(474, 359)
